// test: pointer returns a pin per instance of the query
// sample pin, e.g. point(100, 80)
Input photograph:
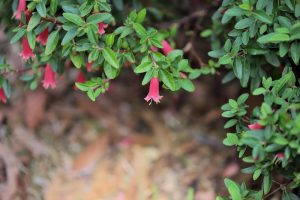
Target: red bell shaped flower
point(43, 37)
point(255, 126)
point(49, 77)
point(89, 66)
point(101, 28)
point(280, 156)
point(3, 98)
point(80, 79)
point(26, 53)
point(21, 8)
point(166, 47)
point(153, 91)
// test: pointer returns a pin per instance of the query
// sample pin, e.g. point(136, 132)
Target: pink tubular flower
point(154, 48)
point(89, 66)
point(21, 8)
point(101, 28)
point(255, 126)
point(27, 51)
point(49, 77)
point(43, 37)
point(166, 47)
point(3, 98)
point(280, 156)
point(153, 91)
point(80, 79)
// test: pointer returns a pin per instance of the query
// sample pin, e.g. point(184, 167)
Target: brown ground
point(62, 146)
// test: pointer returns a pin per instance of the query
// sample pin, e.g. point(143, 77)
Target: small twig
point(14, 71)
point(184, 20)
point(52, 20)
point(198, 58)
point(198, 13)
point(277, 189)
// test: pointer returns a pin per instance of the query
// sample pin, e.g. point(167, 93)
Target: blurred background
point(59, 145)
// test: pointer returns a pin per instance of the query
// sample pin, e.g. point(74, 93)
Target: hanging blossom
point(255, 126)
point(166, 47)
point(3, 98)
point(80, 79)
point(280, 156)
point(43, 37)
point(153, 91)
point(101, 28)
point(89, 66)
point(154, 49)
point(49, 77)
point(26, 53)
point(21, 8)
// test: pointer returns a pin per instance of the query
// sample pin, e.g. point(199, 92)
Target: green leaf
point(295, 49)
point(148, 76)
point(91, 31)
point(141, 16)
point(52, 42)
point(234, 12)
point(139, 29)
point(34, 21)
point(18, 35)
point(297, 10)
point(31, 39)
point(231, 139)
point(217, 53)
point(187, 85)
point(7, 88)
point(143, 67)
point(77, 60)
point(74, 18)
point(238, 68)
point(82, 86)
point(190, 195)
point(53, 6)
point(230, 123)
point(69, 36)
point(259, 91)
point(206, 33)
point(273, 38)
point(280, 140)
point(99, 17)
point(233, 189)
point(226, 59)
point(110, 39)
point(109, 71)
point(256, 174)
point(267, 183)
point(167, 79)
point(91, 95)
point(110, 56)
point(41, 8)
point(228, 114)
point(244, 23)
point(86, 8)
point(263, 17)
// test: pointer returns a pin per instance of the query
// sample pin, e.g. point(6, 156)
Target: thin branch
point(277, 189)
point(14, 71)
point(52, 20)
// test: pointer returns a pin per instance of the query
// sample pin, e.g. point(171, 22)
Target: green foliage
point(73, 35)
point(261, 37)
point(257, 40)
point(279, 116)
